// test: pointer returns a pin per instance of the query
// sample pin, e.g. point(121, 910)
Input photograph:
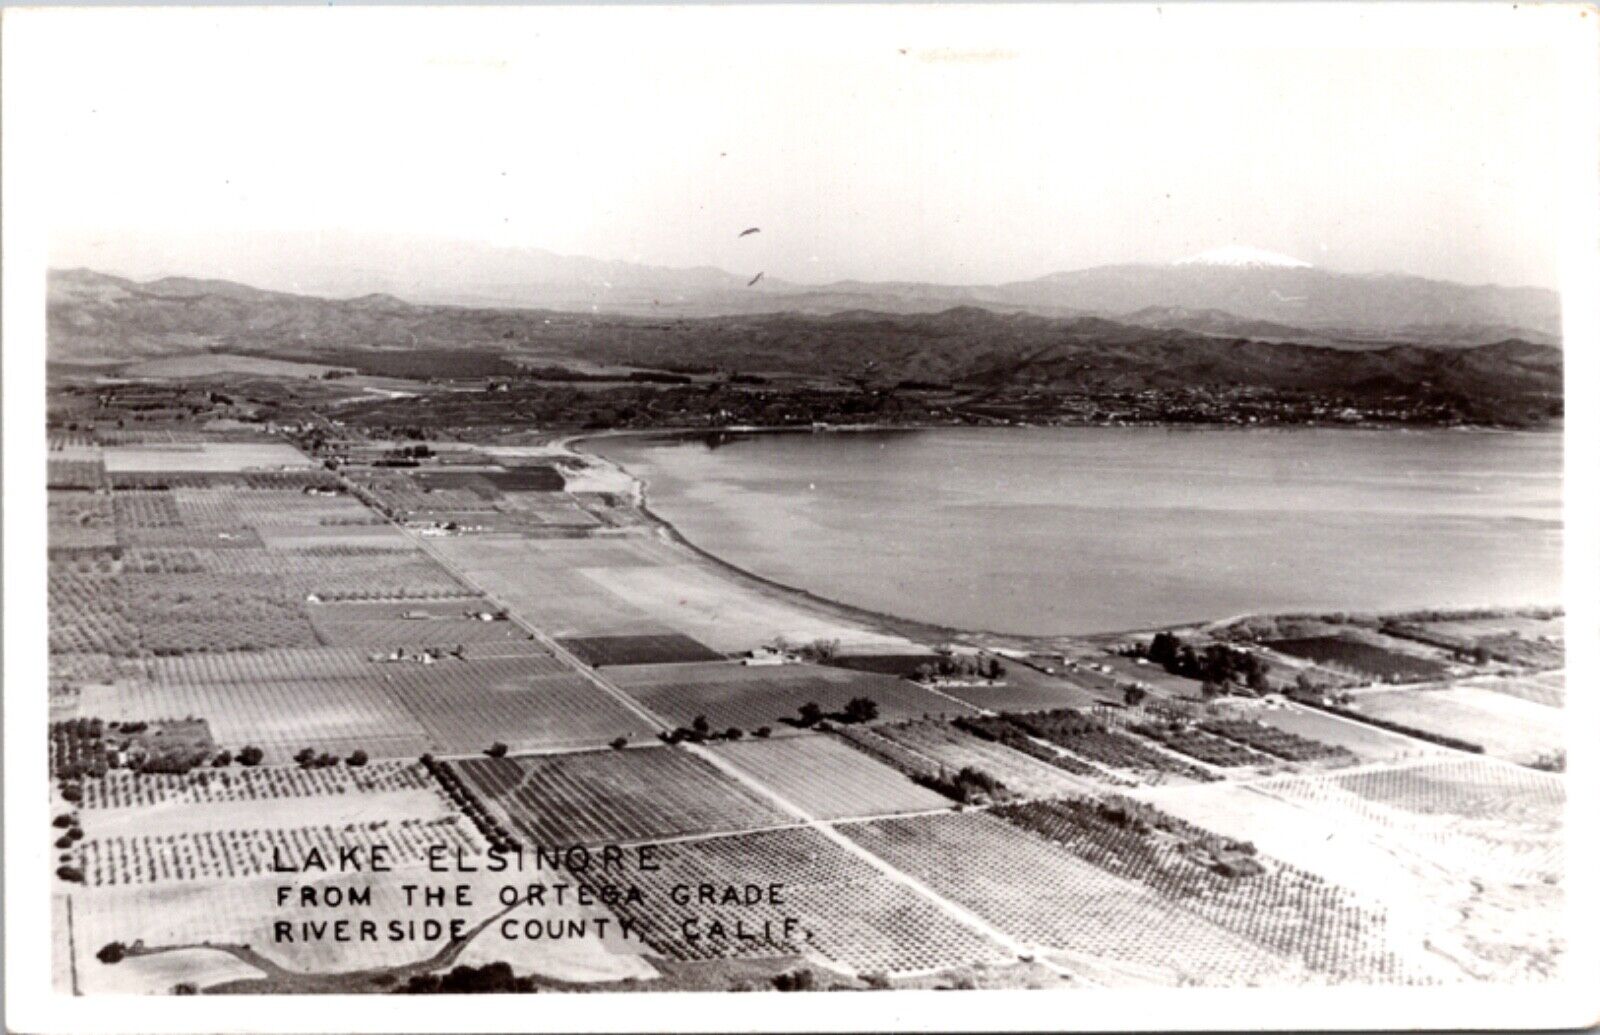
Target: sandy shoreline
point(925, 634)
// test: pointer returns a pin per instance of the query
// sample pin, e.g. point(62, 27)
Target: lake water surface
point(1071, 530)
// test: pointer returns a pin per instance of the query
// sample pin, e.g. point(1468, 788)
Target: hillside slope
point(99, 318)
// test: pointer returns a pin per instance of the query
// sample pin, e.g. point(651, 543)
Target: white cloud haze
point(878, 144)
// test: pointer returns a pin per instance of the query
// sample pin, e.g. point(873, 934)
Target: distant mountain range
point(1229, 292)
point(102, 320)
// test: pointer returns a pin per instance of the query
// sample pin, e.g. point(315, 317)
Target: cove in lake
point(1044, 531)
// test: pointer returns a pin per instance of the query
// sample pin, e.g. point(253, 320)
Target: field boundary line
point(958, 912)
point(980, 709)
point(1445, 749)
point(72, 949)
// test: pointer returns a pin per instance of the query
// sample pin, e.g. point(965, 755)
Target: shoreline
point(918, 631)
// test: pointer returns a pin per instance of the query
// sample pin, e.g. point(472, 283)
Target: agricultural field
point(203, 457)
point(1546, 688)
point(850, 915)
point(610, 797)
point(1345, 653)
point(338, 700)
point(74, 475)
point(555, 510)
point(536, 583)
point(146, 508)
point(827, 778)
point(175, 586)
point(1286, 910)
point(87, 615)
point(177, 537)
point(1021, 689)
point(209, 593)
point(232, 822)
point(1203, 745)
point(80, 520)
point(671, 648)
point(343, 573)
point(70, 667)
point(902, 665)
point(1104, 927)
point(412, 626)
point(189, 612)
point(1464, 853)
point(1362, 740)
point(490, 482)
point(1125, 669)
point(1269, 740)
point(1527, 626)
point(1526, 640)
point(1088, 739)
point(230, 508)
point(121, 789)
point(322, 537)
point(1507, 726)
point(1479, 791)
point(241, 912)
point(231, 853)
point(466, 706)
point(748, 697)
point(936, 744)
point(638, 585)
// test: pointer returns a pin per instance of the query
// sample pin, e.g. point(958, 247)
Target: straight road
point(957, 912)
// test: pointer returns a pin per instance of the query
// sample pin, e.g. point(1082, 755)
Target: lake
point(1045, 531)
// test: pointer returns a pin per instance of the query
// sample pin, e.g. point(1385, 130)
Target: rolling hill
point(95, 318)
point(1248, 285)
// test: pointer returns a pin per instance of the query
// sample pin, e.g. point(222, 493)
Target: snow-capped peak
point(1242, 255)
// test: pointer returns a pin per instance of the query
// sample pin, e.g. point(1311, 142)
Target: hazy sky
point(866, 144)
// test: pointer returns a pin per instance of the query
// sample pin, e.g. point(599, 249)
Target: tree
point(802, 980)
point(810, 713)
point(1211, 689)
point(734, 733)
point(620, 743)
point(357, 758)
point(1164, 649)
point(821, 650)
point(223, 759)
point(305, 756)
point(1133, 695)
point(701, 726)
point(861, 709)
point(763, 732)
point(111, 952)
point(63, 821)
point(497, 750)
